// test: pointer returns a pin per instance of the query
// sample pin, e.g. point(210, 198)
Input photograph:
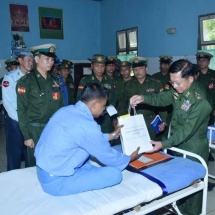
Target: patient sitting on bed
point(67, 142)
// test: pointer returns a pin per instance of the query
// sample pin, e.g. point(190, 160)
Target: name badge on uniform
point(186, 105)
point(150, 90)
point(56, 96)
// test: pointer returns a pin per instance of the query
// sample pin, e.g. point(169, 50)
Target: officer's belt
point(37, 124)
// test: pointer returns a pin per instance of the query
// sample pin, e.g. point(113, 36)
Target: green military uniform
point(188, 128)
point(207, 81)
point(66, 83)
point(104, 120)
point(134, 87)
point(37, 100)
point(71, 89)
point(164, 77)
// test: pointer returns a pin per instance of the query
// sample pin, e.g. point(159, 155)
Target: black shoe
point(211, 186)
point(210, 157)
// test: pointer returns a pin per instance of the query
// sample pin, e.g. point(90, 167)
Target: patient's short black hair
point(93, 91)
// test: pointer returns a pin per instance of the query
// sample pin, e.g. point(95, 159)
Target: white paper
point(144, 159)
point(111, 110)
point(134, 134)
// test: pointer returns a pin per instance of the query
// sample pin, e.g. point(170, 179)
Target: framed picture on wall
point(51, 23)
point(19, 17)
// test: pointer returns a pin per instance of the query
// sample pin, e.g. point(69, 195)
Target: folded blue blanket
point(174, 174)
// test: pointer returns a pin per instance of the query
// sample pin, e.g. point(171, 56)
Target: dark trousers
point(15, 148)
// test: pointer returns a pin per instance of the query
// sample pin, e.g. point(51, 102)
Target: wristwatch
point(114, 135)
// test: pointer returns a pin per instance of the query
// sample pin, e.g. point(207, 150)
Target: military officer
point(141, 84)
point(189, 123)
point(125, 72)
point(164, 77)
point(38, 97)
point(98, 68)
point(206, 79)
point(14, 139)
point(11, 64)
point(66, 82)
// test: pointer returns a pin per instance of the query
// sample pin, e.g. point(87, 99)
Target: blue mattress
point(174, 174)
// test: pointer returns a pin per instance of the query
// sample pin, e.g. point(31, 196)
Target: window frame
point(201, 43)
point(128, 49)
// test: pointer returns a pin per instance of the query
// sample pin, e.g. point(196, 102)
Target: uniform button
point(50, 100)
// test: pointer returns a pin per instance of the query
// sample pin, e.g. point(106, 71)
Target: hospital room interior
point(138, 33)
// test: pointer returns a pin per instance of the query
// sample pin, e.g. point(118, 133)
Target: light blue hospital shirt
point(69, 138)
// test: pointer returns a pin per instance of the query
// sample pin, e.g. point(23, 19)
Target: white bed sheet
point(21, 194)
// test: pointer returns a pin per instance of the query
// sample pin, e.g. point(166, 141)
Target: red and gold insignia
point(136, 60)
point(80, 86)
point(210, 86)
point(6, 83)
point(56, 96)
point(21, 90)
point(161, 89)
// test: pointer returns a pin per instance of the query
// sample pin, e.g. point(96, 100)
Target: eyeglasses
point(176, 83)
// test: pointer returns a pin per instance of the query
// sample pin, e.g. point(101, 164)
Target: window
point(206, 32)
point(127, 41)
point(206, 41)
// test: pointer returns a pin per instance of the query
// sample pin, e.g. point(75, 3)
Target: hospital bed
point(138, 193)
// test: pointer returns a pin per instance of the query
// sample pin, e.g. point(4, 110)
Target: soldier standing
point(38, 98)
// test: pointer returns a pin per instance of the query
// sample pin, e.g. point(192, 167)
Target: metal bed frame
point(172, 198)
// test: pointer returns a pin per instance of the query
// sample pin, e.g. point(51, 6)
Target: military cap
point(165, 59)
point(138, 62)
point(204, 55)
point(65, 64)
point(11, 61)
point(98, 58)
point(45, 49)
point(125, 63)
point(23, 52)
point(70, 63)
point(111, 60)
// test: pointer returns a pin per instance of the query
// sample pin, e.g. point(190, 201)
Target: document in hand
point(134, 133)
point(155, 124)
point(147, 160)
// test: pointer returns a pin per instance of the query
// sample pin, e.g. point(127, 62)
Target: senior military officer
point(14, 139)
point(98, 68)
point(189, 123)
point(141, 84)
point(164, 77)
point(38, 97)
point(66, 82)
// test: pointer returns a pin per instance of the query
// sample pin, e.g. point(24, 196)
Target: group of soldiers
point(38, 84)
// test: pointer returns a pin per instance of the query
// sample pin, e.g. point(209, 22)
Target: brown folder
point(147, 160)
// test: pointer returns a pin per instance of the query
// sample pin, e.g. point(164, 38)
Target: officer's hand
point(157, 146)
point(135, 100)
point(29, 143)
point(135, 155)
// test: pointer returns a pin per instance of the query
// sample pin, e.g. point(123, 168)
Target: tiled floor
point(211, 195)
